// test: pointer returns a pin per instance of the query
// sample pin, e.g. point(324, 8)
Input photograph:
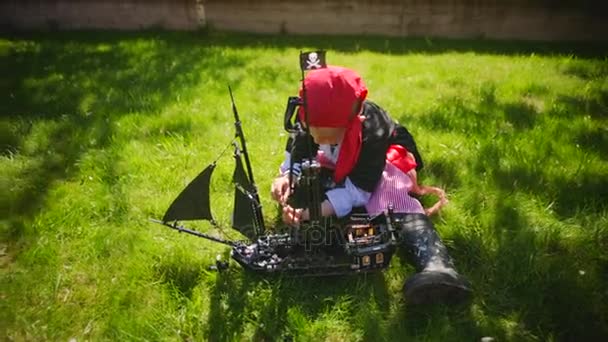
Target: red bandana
point(331, 97)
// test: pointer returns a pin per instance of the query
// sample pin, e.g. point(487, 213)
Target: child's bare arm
point(425, 190)
point(443, 200)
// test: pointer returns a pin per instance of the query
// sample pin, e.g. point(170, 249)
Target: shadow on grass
point(395, 45)
point(348, 44)
point(66, 91)
point(457, 115)
point(534, 278)
point(578, 68)
point(184, 276)
point(595, 106)
point(506, 125)
point(525, 288)
point(587, 192)
point(445, 170)
point(288, 309)
point(595, 141)
point(82, 83)
point(521, 115)
point(538, 277)
point(240, 297)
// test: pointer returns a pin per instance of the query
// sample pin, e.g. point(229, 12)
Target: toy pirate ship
point(319, 246)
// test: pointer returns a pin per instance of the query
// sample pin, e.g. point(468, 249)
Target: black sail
point(193, 202)
point(245, 215)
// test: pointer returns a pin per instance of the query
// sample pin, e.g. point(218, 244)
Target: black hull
point(279, 254)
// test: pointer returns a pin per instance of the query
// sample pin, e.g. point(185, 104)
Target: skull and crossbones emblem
point(313, 61)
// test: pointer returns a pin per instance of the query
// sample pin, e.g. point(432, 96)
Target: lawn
point(100, 131)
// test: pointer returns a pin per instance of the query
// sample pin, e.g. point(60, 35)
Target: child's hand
point(443, 200)
point(293, 216)
point(280, 189)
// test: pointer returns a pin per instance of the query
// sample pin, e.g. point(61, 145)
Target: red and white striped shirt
point(393, 189)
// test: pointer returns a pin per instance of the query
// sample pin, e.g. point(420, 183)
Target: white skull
point(313, 61)
point(312, 57)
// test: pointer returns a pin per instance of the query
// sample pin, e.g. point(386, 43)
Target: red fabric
point(331, 97)
point(397, 155)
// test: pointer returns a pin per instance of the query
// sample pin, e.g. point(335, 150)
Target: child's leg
point(437, 279)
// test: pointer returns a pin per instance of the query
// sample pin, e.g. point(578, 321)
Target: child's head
point(333, 99)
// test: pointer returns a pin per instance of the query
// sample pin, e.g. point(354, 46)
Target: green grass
point(100, 131)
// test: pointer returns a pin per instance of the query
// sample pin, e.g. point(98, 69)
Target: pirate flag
point(312, 60)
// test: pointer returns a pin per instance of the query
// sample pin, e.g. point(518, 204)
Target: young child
point(384, 165)
point(374, 162)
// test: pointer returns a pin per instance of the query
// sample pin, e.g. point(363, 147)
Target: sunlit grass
point(100, 131)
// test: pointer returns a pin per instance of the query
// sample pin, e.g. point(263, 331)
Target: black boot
point(437, 279)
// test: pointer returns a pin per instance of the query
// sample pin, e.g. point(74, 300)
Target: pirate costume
point(368, 173)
